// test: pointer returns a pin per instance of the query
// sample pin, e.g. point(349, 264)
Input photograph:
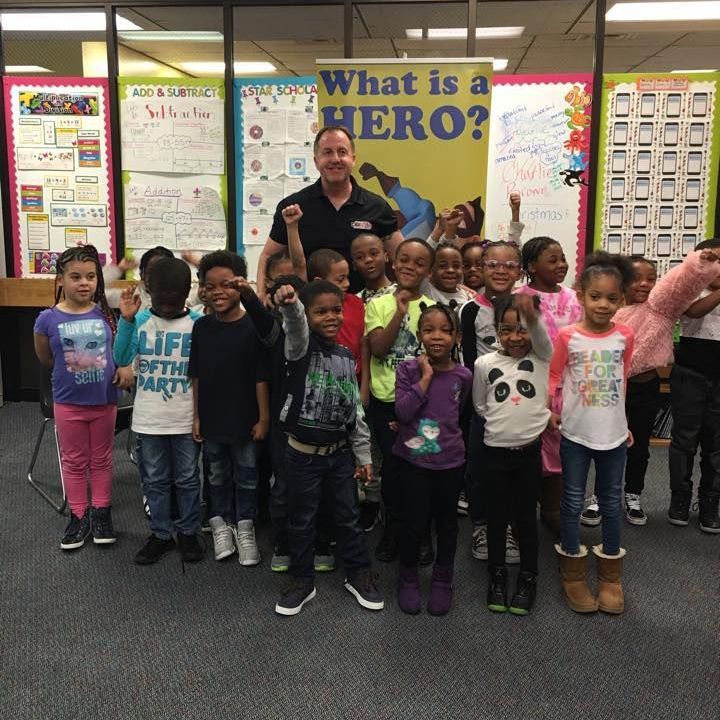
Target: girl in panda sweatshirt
point(510, 389)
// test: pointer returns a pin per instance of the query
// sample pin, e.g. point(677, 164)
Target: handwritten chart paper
point(180, 214)
point(658, 164)
point(539, 147)
point(58, 144)
point(277, 122)
point(173, 127)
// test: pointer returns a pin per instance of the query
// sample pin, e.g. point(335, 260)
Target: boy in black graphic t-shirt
point(322, 415)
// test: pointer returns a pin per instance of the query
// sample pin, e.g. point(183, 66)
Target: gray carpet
point(91, 635)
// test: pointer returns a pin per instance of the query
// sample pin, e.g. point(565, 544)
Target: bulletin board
point(540, 148)
point(275, 125)
point(658, 164)
point(59, 159)
point(173, 159)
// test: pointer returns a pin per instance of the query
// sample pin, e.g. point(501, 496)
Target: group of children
point(444, 387)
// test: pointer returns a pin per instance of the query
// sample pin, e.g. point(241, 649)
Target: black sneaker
point(387, 548)
point(369, 515)
point(190, 548)
point(102, 526)
point(524, 597)
point(295, 596)
point(591, 516)
point(78, 528)
point(634, 513)
point(426, 554)
point(363, 585)
point(497, 589)
point(679, 512)
point(153, 549)
point(709, 517)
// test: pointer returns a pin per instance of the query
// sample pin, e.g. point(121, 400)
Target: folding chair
point(122, 422)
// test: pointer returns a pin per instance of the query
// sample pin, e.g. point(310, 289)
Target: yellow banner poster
point(421, 129)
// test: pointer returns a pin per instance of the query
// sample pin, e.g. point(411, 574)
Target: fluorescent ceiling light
point(26, 69)
point(449, 33)
point(686, 72)
point(500, 64)
point(175, 35)
point(663, 11)
point(219, 67)
point(60, 22)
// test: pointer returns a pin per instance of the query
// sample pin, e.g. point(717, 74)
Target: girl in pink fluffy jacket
point(653, 307)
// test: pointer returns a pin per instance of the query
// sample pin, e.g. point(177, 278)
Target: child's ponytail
point(603, 263)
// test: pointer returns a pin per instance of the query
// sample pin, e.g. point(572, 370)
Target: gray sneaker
point(280, 562)
point(223, 540)
point(479, 542)
point(248, 553)
point(512, 550)
point(324, 558)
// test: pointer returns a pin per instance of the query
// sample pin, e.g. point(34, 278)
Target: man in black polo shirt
point(335, 208)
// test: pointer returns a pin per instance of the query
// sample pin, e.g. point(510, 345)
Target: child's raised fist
point(515, 201)
point(240, 284)
point(292, 214)
point(285, 295)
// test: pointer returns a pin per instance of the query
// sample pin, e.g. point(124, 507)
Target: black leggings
point(513, 480)
point(429, 494)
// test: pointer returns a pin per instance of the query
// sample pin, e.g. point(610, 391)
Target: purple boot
point(441, 590)
point(409, 590)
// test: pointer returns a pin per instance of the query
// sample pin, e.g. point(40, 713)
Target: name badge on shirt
point(361, 225)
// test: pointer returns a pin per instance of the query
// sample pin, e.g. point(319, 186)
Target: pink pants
point(86, 434)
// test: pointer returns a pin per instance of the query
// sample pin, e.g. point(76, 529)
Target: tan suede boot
point(574, 581)
point(609, 571)
point(550, 494)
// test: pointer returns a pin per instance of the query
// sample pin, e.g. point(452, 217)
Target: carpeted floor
point(91, 635)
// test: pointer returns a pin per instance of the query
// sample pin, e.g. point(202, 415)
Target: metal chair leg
point(57, 506)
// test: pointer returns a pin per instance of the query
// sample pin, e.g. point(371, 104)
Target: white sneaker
point(479, 542)
point(463, 506)
point(223, 541)
point(248, 553)
point(512, 550)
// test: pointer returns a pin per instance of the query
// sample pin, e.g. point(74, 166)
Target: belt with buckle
point(302, 447)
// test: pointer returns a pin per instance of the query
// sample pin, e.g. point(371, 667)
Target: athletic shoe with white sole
point(248, 553)
point(294, 597)
point(591, 516)
point(77, 530)
point(223, 539)
point(101, 525)
point(634, 513)
point(512, 549)
point(363, 586)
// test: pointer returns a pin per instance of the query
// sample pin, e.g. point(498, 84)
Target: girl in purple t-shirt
point(430, 392)
point(74, 337)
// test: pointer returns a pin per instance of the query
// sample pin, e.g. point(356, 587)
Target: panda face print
point(523, 386)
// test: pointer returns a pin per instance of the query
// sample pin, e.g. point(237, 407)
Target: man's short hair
point(333, 128)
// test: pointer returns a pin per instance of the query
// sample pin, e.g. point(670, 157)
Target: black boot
point(426, 556)
point(709, 517)
point(497, 589)
point(387, 548)
point(524, 597)
point(679, 512)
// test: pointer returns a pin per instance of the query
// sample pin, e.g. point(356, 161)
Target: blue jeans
point(609, 469)
point(233, 479)
point(166, 462)
point(308, 476)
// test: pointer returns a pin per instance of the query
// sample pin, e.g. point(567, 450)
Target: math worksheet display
point(59, 158)
point(173, 159)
